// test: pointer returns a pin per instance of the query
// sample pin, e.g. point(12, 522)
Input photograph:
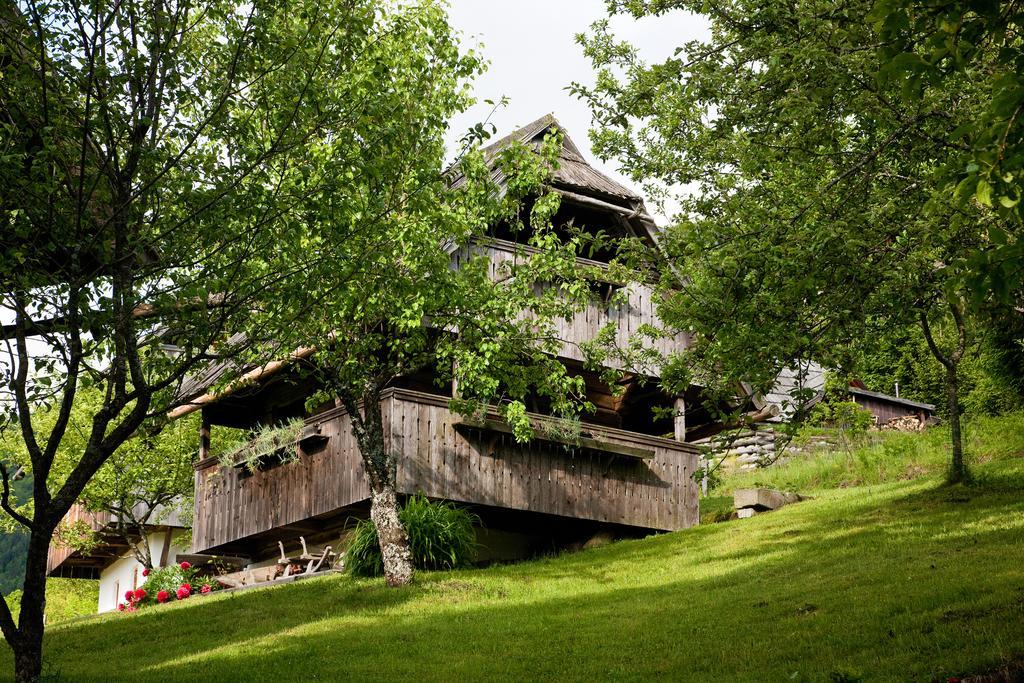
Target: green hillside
point(901, 580)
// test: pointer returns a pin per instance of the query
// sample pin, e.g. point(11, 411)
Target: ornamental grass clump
point(441, 536)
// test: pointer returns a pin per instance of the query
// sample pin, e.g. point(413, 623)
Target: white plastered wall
point(125, 573)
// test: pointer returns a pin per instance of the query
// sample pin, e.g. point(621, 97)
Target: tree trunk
point(28, 646)
point(957, 469)
point(381, 468)
point(393, 539)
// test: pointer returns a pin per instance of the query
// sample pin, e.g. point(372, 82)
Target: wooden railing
point(607, 475)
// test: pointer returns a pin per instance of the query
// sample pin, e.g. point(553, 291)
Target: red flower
point(205, 589)
point(120, 607)
point(163, 596)
point(145, 572)
point(184, 591)
point(186, 565)
point(187, 585)
point(129, 596)
point(139, 594)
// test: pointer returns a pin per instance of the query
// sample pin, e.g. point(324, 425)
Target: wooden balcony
point(603, 475)
point(67, 562)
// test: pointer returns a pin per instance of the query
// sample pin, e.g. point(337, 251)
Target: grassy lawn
point(901, 580)
point(65, 599)
point(881, 457)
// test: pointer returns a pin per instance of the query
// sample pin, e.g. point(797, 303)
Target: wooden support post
point(204, 437)
point(679, 414)
point(165, 551)
point(455, 380)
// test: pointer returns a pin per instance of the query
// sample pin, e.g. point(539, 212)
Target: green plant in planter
point(441, 536)
point(265, 441)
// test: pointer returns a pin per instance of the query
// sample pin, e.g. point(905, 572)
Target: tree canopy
point(168, 169)
point(811, 219)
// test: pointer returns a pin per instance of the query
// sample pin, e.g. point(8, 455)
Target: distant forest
point(14, 545)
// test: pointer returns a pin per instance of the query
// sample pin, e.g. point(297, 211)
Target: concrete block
point(763, 499)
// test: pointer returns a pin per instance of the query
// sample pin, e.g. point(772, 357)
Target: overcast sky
point(534, 57)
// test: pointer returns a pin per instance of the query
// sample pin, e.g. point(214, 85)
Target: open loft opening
point(606, 225)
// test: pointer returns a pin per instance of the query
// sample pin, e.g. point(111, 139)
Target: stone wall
point(759, 446)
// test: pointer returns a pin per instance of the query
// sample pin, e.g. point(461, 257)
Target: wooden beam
point(204, 437)
point(620, 401)
point(580, 442)
point(583, 200)
point(710, 429)
point(245, 380)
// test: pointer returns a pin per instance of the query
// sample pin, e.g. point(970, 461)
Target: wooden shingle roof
point(575, 177)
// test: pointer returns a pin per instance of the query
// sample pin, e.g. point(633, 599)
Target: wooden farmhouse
point(628, 472)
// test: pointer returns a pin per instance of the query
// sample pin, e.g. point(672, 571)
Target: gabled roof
point(806, 375)
point(574, 178)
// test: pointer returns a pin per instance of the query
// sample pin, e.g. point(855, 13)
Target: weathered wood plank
point(582, 442)
point(466, 464)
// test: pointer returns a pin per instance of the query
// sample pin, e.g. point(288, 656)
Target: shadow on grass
point(901, 581)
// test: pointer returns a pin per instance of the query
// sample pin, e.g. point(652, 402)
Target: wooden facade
point(443, 456)
point(639, 306)
point(68, 562)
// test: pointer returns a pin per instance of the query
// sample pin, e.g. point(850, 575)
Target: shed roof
point(877, 395)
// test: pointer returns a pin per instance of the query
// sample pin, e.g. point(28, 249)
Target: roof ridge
point(524, 133)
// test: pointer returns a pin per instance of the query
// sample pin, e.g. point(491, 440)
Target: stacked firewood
point(904, 423)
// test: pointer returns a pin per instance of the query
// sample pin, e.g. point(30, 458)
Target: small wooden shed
point(886, 407)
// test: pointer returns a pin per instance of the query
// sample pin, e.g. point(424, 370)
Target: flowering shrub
point(167, 584)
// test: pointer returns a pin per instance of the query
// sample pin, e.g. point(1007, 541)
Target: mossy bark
point(381, 470)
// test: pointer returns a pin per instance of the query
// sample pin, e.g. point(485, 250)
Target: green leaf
point(983, 193)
